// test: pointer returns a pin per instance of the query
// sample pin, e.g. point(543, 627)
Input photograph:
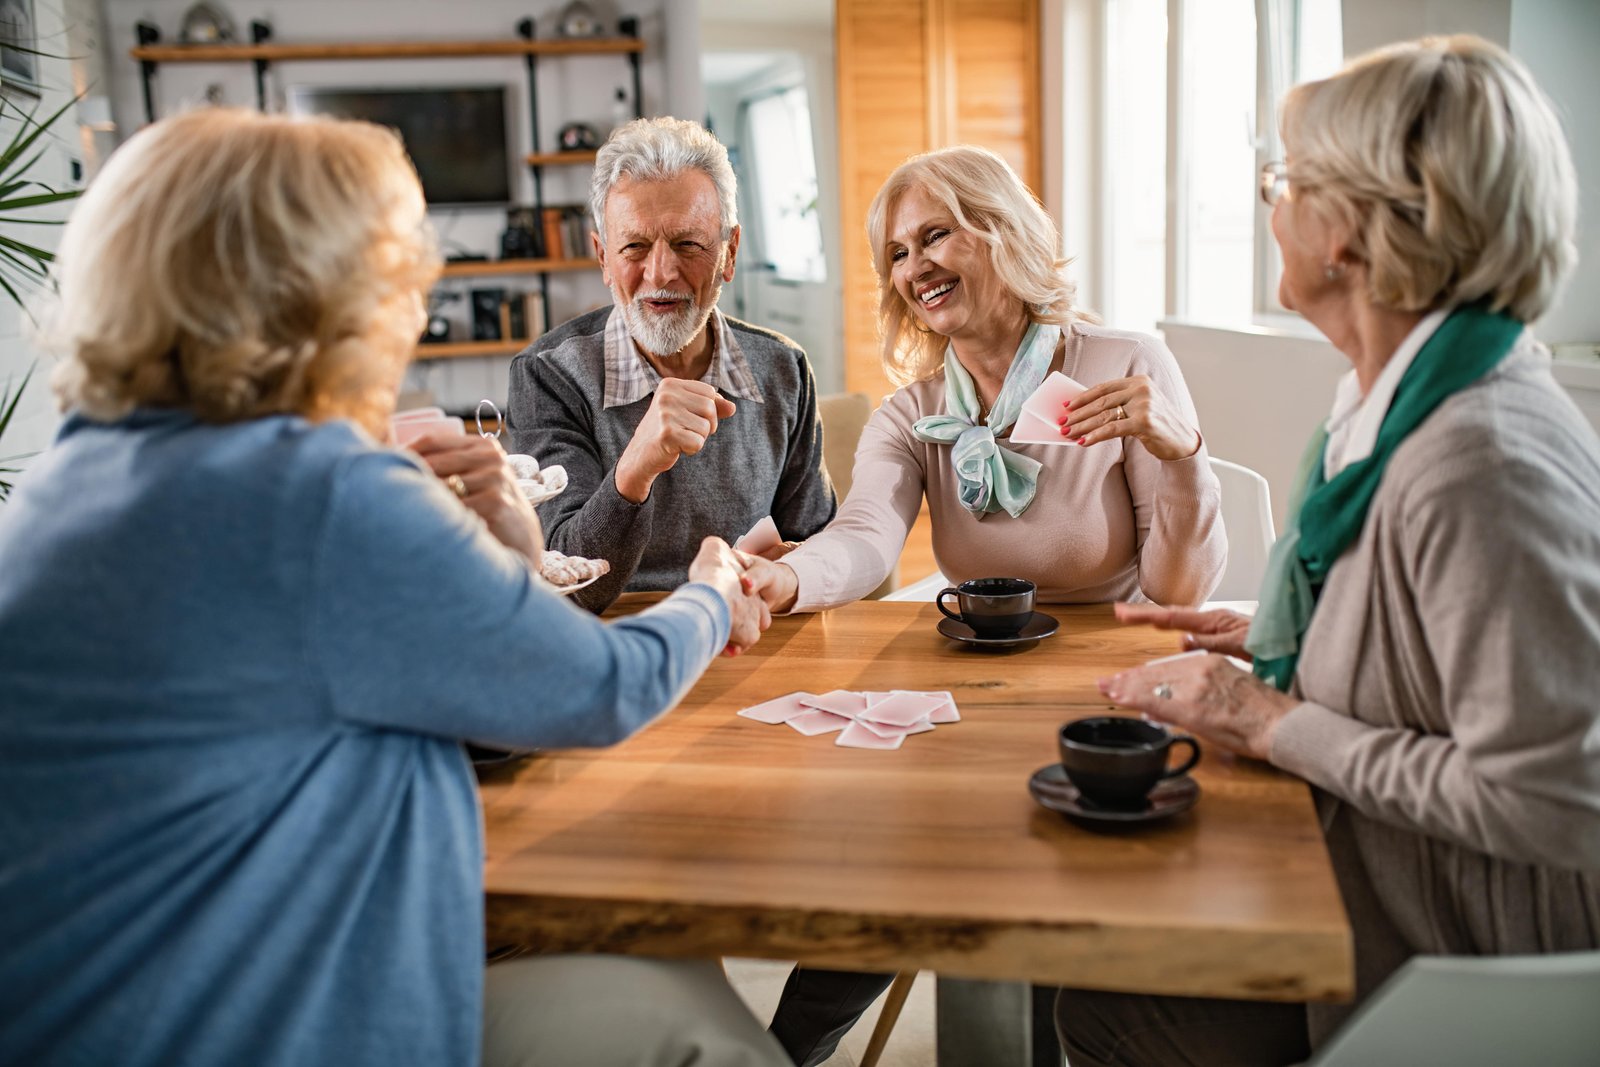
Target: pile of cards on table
point(861, 719)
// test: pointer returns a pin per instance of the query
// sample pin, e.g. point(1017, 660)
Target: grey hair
point(658, 150)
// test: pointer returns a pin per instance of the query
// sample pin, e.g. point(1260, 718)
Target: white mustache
point(662, 294)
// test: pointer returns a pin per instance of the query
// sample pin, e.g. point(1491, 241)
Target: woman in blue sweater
point(242, 642)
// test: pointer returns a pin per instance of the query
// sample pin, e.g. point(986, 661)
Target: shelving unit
point(263, 51)
point(492, 267)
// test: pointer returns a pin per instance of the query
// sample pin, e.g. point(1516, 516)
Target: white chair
point(1247, 515)
point(1478, 1012)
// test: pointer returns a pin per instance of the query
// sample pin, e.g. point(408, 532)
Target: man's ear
point(733, 253)
point(600, 254)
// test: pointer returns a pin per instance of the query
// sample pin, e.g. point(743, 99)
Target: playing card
point(417, 413)
point(840, 702)
point(1049, 400)
point(946, 711)
point(816, 721)
point(903, 709)
point(409, 430)
point(1180, 655)
point(884, 730)
point(1030, 429)
point(858, 736)
point(762, 536)
point(780, 709)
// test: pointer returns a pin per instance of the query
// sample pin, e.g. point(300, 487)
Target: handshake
point(753, 586)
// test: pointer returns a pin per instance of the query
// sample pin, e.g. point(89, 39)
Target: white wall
point(1560, 41)
point(36, 420)
point(571, 89)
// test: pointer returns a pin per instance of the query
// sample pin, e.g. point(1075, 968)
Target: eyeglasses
point(1274, 182)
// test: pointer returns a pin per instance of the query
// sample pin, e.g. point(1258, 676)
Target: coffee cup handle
point(948, 590)
point(1194, 755)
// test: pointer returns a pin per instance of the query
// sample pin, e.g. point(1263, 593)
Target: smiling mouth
point(935, 296)
point(665, 306)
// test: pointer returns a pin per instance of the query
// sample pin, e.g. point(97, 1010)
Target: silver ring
point(458, 486)
point(1162, 691)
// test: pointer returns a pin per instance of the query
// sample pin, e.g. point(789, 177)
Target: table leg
point(994, 1024)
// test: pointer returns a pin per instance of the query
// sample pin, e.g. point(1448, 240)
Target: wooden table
point(711, 835)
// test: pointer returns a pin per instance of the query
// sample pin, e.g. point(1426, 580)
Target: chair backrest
point(1478, 1012)
point(844, 416)
point(1247, 514)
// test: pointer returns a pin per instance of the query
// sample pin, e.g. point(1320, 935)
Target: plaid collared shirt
point(630, 377)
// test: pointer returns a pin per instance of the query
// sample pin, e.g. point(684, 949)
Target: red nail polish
point(1066, 431)
point(1062, 421)
point(1083, 440)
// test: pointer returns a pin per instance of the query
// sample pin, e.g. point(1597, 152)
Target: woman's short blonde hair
point(986, 197)
point(1450, 168)
point(239, 265)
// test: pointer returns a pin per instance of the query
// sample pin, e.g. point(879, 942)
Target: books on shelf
point(567, 233)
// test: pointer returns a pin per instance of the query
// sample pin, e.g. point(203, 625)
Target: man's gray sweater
point(766, 459)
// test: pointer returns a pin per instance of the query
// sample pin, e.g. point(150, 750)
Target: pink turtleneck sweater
point(1109, 522)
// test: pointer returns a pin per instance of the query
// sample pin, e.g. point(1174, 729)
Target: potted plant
point(23, 265)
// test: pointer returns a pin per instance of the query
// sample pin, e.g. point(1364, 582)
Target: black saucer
point(1051, 788)
point(1040, 625)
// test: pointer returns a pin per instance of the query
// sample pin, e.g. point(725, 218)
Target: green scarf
point(1325, 517)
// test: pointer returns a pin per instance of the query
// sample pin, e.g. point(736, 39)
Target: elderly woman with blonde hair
point(242, 643)
point(1425, 646)
point(976, 311)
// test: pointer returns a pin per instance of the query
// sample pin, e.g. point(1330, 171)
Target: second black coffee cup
point(993, 607)
point(1116, 761)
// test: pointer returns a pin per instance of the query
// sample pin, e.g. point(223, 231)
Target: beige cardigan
point(1109, 522)
point(1451, 679)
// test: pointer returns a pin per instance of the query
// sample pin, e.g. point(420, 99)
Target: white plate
point(537, 494)
point(568, 590)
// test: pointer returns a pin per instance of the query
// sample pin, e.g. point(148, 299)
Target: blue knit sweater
point(236, 663)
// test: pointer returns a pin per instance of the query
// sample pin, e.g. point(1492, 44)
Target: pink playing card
point(781, 709)
point(903, 709)
point(410, 429)
point(816, 721)
point(1030, 429)
point(840, 702)
point(946, 711)
point(1049, 400)
point(858, 736)
point(762, 536)
point(883, 730)
point(417, 413)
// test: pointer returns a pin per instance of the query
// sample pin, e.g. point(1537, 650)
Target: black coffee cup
point(1115, 761)
point(993, 607)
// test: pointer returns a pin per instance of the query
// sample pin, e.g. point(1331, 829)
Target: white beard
point(665, 335)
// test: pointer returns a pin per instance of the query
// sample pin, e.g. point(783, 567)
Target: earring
point(1333, 271)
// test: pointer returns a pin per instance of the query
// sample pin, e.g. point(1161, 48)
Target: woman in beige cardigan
point(1424, 651)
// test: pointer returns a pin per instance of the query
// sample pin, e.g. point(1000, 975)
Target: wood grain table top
point(708, 834)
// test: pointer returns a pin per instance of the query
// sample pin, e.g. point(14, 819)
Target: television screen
point(456, 137)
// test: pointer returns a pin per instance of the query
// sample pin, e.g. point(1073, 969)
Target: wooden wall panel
point(916, 75)
point(882, 65)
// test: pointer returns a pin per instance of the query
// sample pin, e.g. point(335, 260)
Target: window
point(1190, 96)
point(785, 169)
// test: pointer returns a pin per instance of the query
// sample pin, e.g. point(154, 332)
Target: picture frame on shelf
point(19, 49)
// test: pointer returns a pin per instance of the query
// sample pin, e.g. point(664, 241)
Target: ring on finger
point(458, 486)
point(1162, 691)
point(1122, 412)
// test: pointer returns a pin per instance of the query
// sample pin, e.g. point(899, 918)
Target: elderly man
point(673, 421)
